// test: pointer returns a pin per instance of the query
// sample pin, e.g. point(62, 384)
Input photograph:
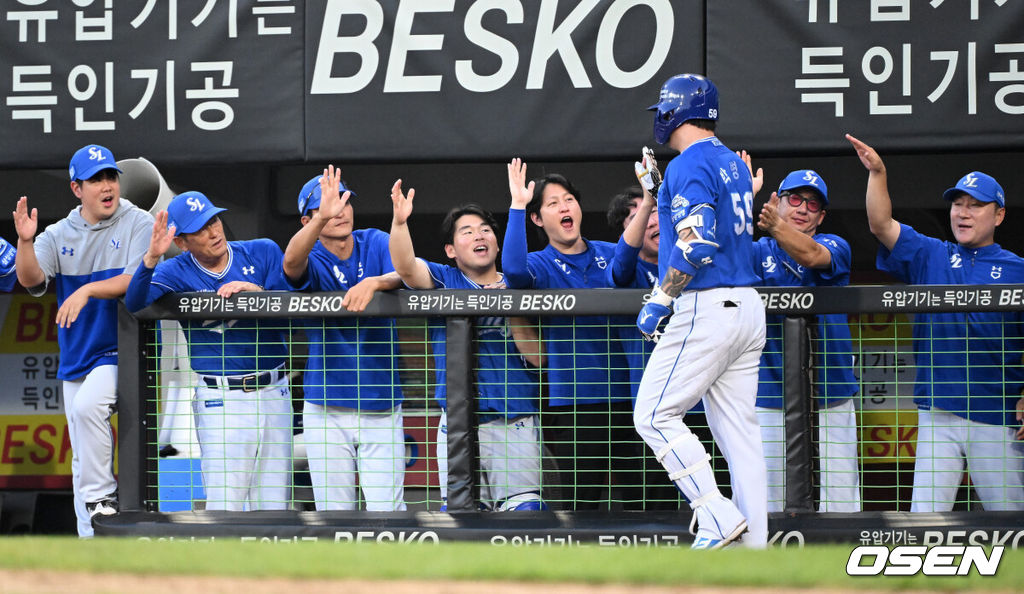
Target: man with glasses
point(797, 255)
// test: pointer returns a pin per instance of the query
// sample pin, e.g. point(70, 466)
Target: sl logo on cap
point(811, 178)
point(969, 181)
point(95, 154)
point(194, 204)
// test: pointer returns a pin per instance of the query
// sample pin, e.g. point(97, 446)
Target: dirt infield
point(46, 582)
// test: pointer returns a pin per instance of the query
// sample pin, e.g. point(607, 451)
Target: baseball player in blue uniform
point(712, 344)
point(797, 255)
point(242, 404)
point(969, 375)
point(352, 414)
point(587, 422)
point(90, 255)
point(507, 383)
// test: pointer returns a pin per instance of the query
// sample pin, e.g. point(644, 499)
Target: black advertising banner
point(178, 82)
point(900, 74)
point(479, 79)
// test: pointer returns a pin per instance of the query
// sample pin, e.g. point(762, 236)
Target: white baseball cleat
point(103, 507)
point(719, 523)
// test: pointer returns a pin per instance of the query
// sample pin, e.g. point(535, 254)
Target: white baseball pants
point(710, 351)
point(341, 442)
point(88, 405)
point(246, 444)
point(994, 460)
point(840, 468)
point(510, 457)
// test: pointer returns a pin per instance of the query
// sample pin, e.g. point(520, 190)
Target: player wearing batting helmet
point(712, 344)
point(90, 255)
point(969, 374)
point(242, 406)
point(795, 254)
point(352, 414)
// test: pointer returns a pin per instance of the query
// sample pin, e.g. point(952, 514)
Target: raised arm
point(296, 255)
point(878, 203)
point(413, 272)
point(514, 250)
point(623, 268)
point(140, 291)
point(30, 274)
point(800, 246)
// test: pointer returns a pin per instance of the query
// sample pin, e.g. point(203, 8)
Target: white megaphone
point(142, 184)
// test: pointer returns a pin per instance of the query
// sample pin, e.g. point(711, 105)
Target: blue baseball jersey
point(74, 253)
point(353, 362)
point(833, 349)
point(506, 387)
point(222, 347)
point(707, 172)
point(968, 363)
point(630, 272)
point(8, 276)
point(586, 364)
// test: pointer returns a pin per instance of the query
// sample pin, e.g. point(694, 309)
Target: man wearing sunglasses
point(969, 374)
point(795, 254)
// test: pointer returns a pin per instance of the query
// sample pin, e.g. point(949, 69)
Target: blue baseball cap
point(982, 187)
point(90, 160)
point(805, 178)
point(309, 195)
point(188, 212)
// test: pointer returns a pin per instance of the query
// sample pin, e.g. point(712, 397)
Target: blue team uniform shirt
point(222, 347)
point(353, 362)
point(8, 275)
point(707, 172)
point(506, 387)
point(74, 253)
point(628, 271)
point(968, 363)
point(833, 348)
point(586, 364)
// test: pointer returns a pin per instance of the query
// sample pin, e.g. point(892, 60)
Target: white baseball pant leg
point(709, 351)
point(341, 442)
point(773, 442)
point(246, 446)
point(88, 405)
point(510, 458)
point(840, 462)
point(271, 485)
point(995, 461)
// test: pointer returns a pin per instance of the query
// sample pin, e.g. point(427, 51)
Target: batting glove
point(654, 311)
point(647, 171)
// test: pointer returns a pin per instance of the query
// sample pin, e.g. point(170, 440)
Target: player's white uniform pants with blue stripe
point(510, 457)
point(342, 441)
point(840, 464)
point(710, 350)
point(88, 405)
point(246, 444)
point(994, 459)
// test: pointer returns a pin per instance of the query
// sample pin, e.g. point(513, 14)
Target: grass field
point(812, 567)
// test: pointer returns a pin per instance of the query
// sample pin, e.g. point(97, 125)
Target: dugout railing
point(799, 523)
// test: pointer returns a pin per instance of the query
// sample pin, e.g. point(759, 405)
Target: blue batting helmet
point(683, 97)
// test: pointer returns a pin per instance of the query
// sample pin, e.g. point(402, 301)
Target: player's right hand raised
point(521, 192)
point(25, 223)
point(868, 156)
point(331, 203)
point(160, 241)
point(401, 204)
